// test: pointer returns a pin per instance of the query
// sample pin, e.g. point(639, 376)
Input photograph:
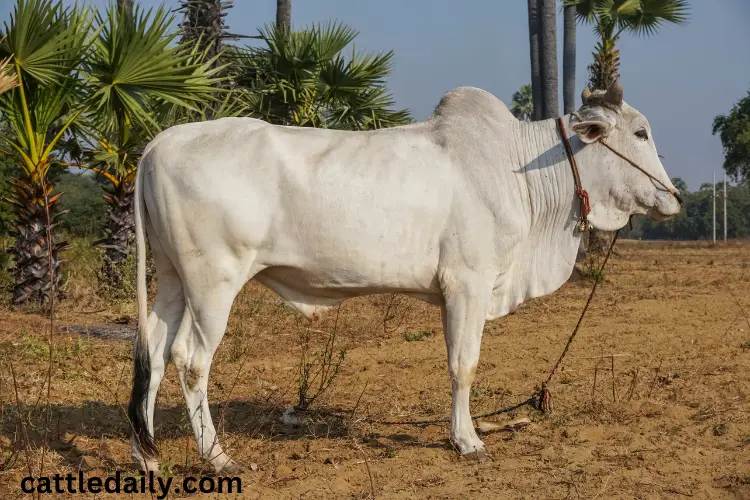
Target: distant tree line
point(695, 221)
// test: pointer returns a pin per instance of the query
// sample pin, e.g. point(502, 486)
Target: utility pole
point(714, 200)
point(725, 207)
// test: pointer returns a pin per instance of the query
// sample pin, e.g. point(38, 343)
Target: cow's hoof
point(231, 467)
point(150, 465)
point(476, 455)
point(468, 445)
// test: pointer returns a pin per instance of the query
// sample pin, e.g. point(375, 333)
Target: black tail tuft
point(137, 408)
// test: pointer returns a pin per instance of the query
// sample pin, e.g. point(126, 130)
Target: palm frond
point(653, 14)
point(45, 40)
point(134, 65)
point(331, 38)
point(585, 10)
point(365, 110)
point(361, 71)
point(626, 7)
point(8, 80)
point(641, 17)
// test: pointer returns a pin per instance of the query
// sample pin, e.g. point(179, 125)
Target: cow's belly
point(312, 289)
point(319, 271)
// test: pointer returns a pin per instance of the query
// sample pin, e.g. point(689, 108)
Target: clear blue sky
point(680, 79)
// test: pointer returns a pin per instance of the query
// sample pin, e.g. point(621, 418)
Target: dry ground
point(668, 416)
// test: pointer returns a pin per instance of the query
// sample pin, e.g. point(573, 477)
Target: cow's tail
point(142, 438)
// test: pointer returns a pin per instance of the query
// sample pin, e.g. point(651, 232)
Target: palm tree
point(284, 15)
point(136, 84)
point(611, 18)
point(45, 44)
point(535, 29)
point(549, 59)
point(302, 78)
point(569, 59)
point(523, 104)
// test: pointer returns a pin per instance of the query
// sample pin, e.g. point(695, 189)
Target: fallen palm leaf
point(512, 426)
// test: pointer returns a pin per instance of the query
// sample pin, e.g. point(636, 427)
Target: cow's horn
point(614, 94)
point(585, 96)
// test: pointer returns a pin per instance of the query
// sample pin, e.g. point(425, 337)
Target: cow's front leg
point(463, 321)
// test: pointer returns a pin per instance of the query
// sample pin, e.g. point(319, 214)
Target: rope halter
point(583, 195)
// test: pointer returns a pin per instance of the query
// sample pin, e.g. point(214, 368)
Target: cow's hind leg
point(162, 325)
point(202, 328)
point(463, 321)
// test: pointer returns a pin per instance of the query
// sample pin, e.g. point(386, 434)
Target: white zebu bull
point(470, 210)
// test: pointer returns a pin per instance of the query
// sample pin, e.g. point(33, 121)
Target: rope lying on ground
point(541, 400)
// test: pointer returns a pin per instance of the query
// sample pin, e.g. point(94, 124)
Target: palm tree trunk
point(32, 248)
point(128, 4)
point(549, 59)
point(535, 56)
point(119, 240)
point(569, 59)
point(205, 19)
point(605, 70)
point(284, 15)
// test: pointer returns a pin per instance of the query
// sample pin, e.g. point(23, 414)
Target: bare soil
point(651, 402)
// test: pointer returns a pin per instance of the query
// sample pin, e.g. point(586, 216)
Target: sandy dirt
point(651, 402)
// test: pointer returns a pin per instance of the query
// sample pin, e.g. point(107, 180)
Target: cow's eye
point(641, 134)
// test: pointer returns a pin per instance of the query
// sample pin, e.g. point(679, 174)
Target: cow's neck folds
point(547, 256)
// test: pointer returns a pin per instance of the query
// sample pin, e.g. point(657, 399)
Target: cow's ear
point(593, 123)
